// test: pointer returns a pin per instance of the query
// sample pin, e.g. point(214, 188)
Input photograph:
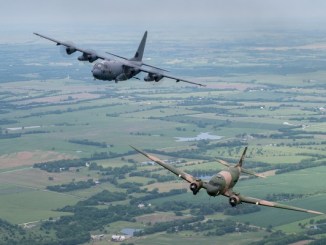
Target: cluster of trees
point(66, 164)
point(103, 197)
point(222, 227)
point(187, 153)
point(182, 119)
point(170, 226)
point(291, 133)
point(44, 113)
point(72, 186)
point(241, 209)
point(283, 196)
point(279, 237)
point(207, 208)
point(88, 142)
point(155, 194)
point(116, 172)
point(197, 224)
point(132, 187)
point(75, 228)
point(140, 134)
point(7, 121)
point(213, 109)
point(303, 164)
point(11, 230)
point(7, 135)
point(319, 228)
point(158, 177)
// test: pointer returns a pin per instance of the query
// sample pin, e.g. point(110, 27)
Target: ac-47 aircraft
point(223, 182)
point(121, 68)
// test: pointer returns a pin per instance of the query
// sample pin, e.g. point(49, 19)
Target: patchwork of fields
point(280, 117)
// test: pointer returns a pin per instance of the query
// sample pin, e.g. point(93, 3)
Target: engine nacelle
point(70, 50)
point(234, 200)
point(92, 58)
point(88, 57)
point(196, 186)
point(153, 77)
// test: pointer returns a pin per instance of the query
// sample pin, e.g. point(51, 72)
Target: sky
point(229, 13)
point(69, 18)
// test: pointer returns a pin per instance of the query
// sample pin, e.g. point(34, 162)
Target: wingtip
point(139, 151)
point(314, 212)
point(133, 147)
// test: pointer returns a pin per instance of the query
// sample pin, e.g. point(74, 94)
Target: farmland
point(84, 128)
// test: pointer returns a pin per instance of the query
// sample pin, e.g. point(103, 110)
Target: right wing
point(155, 72)
point(73, 48)
point(187, 177)
point(262, 202)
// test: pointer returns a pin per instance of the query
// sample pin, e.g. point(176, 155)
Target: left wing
point(195, 184)
point(70, 48)
point(262, 202)
point(187, 177)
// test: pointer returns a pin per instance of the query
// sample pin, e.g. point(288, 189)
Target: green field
point(278, 114)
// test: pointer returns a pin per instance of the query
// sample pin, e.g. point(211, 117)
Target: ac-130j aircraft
point(120, 69)
point(223, 182)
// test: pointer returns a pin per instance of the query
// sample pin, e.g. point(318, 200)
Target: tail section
point(240, 163)
point(140, 51)
point(242, 158)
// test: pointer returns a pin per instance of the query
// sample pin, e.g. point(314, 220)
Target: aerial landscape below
point(133, 161)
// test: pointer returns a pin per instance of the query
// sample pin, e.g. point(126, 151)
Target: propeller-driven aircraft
point(223, 182)
point(121, 68)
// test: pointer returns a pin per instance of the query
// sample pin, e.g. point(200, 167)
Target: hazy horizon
point(169, 14)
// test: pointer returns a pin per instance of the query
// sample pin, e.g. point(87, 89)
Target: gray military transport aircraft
point(122, 68)
point(223, 182)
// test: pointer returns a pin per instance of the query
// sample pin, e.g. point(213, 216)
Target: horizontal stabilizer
point(243, 170)
point(225, 163)
point(252, 173)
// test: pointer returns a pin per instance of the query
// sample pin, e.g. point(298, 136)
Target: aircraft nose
point(96, 72)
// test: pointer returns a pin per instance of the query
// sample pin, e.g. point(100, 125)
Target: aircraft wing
point(178, 79)
point(187, 177)
point(158, 72)
point(72, 47)
point(261, 202)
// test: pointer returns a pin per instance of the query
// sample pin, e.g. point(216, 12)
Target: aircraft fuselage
point(223, 181)
point(109, 70)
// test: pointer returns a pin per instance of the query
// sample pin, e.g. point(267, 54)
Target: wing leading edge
point(68, 45)
point(187, 177)
point(159, 72)
point(262, 202)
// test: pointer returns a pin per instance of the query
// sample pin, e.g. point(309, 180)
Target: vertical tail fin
point(140, 51)
point(242, 158)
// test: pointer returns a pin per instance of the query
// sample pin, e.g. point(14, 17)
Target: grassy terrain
point(278, 112)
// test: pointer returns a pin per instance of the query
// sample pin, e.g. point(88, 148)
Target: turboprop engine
point(70, 50)
point(91, 57)
point(153, 77)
